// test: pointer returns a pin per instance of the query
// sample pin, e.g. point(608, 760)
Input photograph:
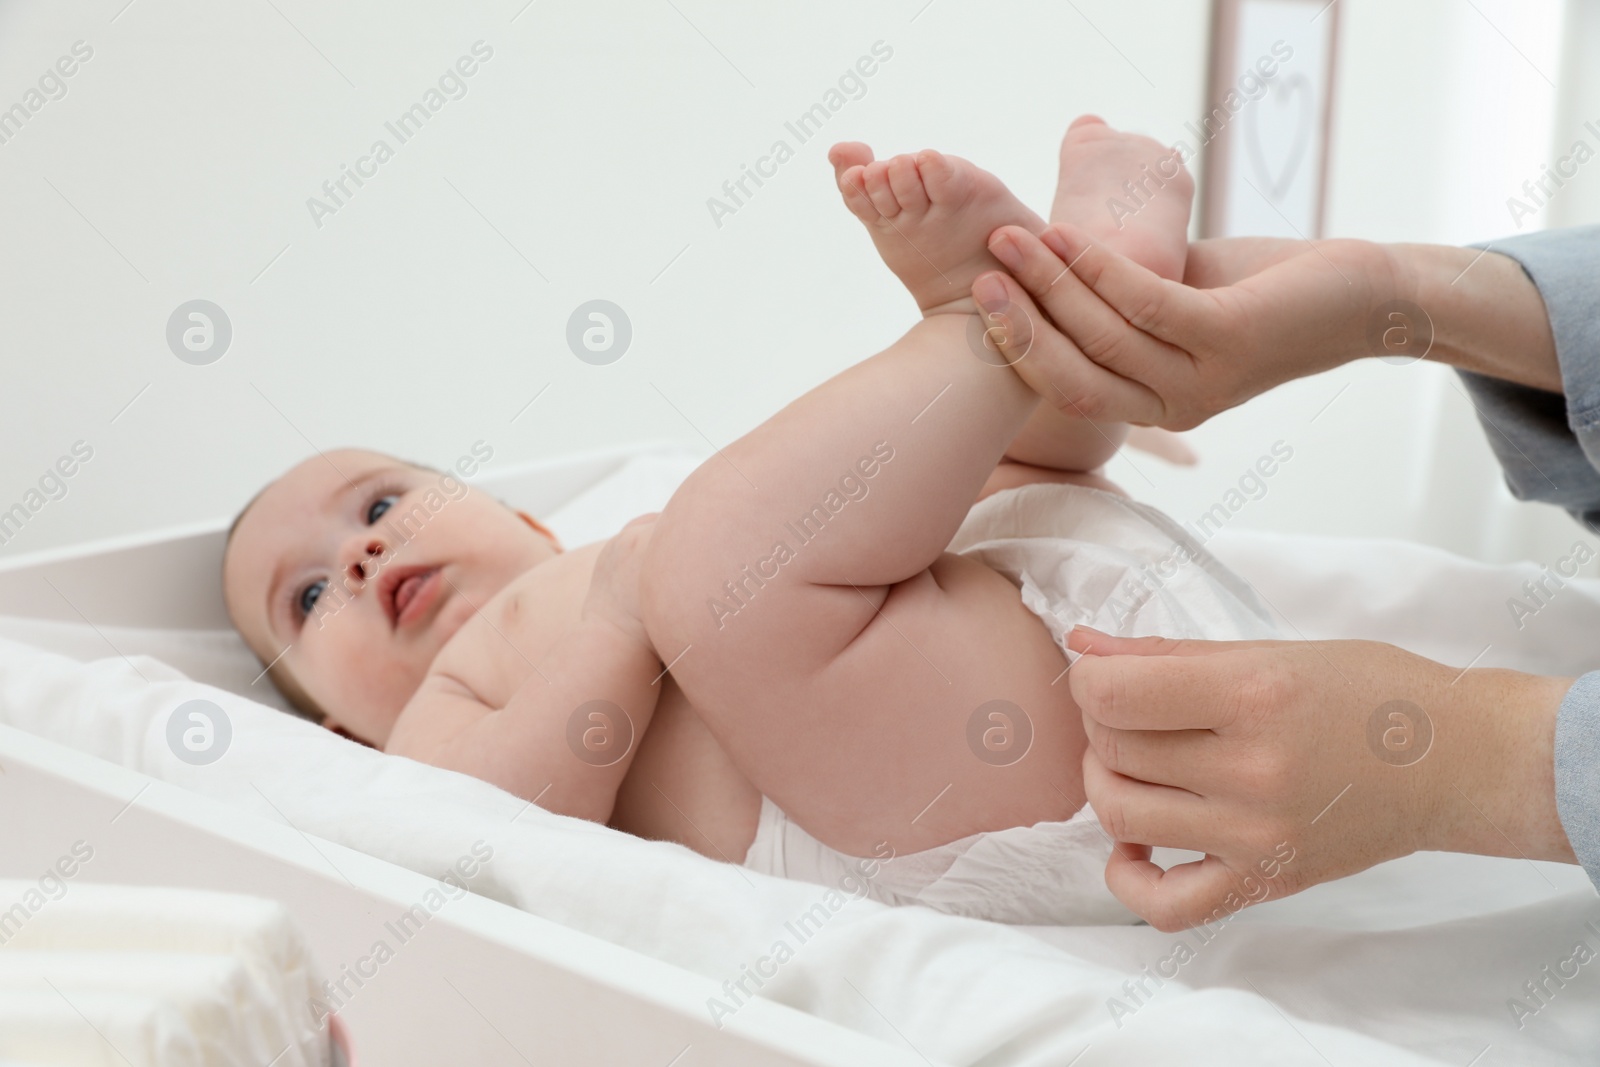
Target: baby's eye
point(308, 596)
point(379, 506)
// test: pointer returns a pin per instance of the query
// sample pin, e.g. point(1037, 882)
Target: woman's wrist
point(1492, 791)
point(1481, 311)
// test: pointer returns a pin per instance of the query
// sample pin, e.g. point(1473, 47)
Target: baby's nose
point(358, 566)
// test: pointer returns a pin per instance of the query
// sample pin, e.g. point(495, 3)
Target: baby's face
point(363, 567)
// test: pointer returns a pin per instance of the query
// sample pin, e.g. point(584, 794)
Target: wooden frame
point(1243, 192)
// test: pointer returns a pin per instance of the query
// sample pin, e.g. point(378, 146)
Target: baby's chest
point(502, 644)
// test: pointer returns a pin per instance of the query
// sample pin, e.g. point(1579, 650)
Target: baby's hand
point(1129, 192)
point(618, 571)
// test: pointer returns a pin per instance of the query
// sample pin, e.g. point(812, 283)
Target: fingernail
point(1056, 243)
point(990, 293)
point(1085, 636)
point(1004, 247)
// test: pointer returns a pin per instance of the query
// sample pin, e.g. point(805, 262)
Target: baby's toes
point(847, 154)
point(852, 184)
point(883, 198)
point(907, 184)
point(1087, 130)
point(946, 178)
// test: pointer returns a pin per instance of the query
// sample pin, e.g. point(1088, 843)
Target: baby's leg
point(798, 585)
point(927, 214)
point(1128, 192)
point(1134, 195)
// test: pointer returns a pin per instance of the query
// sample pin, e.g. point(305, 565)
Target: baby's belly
point(683, 787)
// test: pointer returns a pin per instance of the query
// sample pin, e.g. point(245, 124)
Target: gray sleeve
point(1549, 445)
point(1578, 771)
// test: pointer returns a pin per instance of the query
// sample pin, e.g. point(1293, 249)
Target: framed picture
point(1269, 109)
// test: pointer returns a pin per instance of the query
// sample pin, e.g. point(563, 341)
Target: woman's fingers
point(1279, 764)
point(1120, 316)
point(1241, 867)
point(1095, 327)
point(1170, 311)
point(1275, 314)
point(1174, 691)
point(1144, 814)
point(1089, 641)
point(1179, 897)
point(1183, 759)
point(1050, 363)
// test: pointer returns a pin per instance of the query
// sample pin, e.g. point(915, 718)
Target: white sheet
point(1411, 962)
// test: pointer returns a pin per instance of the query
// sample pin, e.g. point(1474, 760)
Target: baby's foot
point(1128, 192)
point(930, 216)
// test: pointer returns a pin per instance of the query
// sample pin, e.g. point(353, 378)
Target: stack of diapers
point(126, 976)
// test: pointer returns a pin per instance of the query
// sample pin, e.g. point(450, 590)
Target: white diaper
point(1047, 874)
point(1078, 556)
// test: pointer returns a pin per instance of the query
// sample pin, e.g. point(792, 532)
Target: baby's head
point(363, 566)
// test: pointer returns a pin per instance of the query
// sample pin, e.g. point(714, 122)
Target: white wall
point(416, 320)
point(591, 141)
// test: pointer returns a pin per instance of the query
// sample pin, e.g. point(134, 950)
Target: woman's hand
point(1294, 763)
point(1221, 261)
point(1101, 337)
point(1109, 340)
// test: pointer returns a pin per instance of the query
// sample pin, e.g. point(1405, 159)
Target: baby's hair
point(245, 510)
point(300, 701)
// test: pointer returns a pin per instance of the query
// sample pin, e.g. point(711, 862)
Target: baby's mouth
point(409, 592)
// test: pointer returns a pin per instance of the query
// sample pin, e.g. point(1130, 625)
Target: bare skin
point(1120, 341)
point(1150, 194)
point(1228, 748)
point(1231, 748)
point(1096, 162)
point(818, 695)
point(454, 683)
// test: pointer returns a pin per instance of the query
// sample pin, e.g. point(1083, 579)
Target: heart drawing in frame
point(1278, 133)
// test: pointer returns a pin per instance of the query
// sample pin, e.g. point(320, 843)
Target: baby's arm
point(569, 733)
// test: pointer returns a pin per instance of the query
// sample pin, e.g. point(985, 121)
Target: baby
point(788, 667)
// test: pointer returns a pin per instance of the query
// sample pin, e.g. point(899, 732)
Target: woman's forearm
point(1493, 784)
point(1486, 314)
point(1479, 310)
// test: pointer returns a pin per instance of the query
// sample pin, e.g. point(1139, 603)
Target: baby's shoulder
point(495, 649)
